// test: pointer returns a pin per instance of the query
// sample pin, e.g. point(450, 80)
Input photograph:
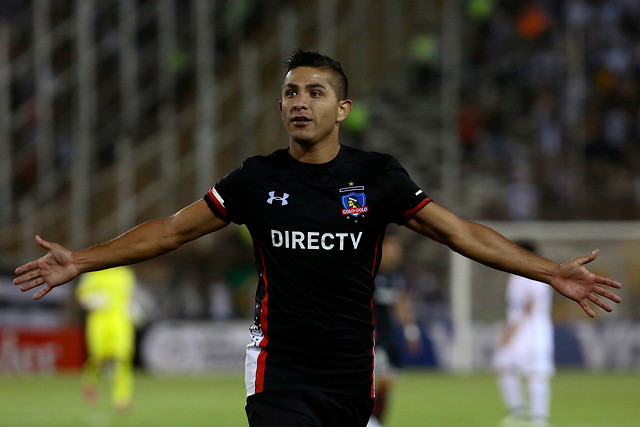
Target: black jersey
point(317, 231)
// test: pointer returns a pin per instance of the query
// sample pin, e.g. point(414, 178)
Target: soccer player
point(526, 350)
point(109, 331)
point(317, 212)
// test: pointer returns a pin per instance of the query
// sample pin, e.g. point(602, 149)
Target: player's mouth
point(300, 120)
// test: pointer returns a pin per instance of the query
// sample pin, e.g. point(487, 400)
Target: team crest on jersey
point(354, 203)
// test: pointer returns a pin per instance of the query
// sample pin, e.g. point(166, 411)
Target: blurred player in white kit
point(525, 351)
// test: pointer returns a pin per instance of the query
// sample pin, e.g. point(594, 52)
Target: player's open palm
point(55, 268)
point(574, 281)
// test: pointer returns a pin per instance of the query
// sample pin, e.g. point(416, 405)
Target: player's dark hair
point(303, 58)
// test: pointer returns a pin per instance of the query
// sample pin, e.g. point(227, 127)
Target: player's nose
point(301, 102)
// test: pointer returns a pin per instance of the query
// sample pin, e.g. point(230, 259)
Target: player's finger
point(44, 243)
point(600, 303)
point(608, 282)
point(586, 308)
point(29, 275)
point(607, 294)
point(32, 265)
point(32, 284)
point(42, 292)
point(588, 258)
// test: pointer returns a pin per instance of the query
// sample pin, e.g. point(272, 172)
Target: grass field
point(421, 398)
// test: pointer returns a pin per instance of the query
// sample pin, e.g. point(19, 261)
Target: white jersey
point(531, 348)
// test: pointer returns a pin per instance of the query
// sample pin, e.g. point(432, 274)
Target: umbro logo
point(282, 199)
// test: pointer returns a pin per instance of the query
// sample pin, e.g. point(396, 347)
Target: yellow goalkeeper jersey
point(107, 293)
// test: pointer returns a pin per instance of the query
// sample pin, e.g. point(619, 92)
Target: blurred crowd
point(116, 113)
point(550, 110)
point(550, 96)
point(551, 105)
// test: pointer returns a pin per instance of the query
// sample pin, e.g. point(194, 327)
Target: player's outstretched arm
point(488, 247)
point(60, 265)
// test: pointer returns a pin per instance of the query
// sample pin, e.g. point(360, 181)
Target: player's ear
point(280, 104)
point(344, 108)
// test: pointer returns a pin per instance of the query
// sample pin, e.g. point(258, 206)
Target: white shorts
point(525, 359)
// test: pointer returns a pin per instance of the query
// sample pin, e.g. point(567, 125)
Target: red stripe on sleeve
point(415, 209)
point(219, 206)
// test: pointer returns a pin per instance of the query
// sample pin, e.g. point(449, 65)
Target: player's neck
point(318, 153)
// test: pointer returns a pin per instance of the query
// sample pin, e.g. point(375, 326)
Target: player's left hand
point(574, 281)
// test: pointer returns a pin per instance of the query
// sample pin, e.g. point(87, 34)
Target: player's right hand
point(55, 268)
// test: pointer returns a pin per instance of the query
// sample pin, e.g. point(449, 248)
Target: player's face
point(310, 109)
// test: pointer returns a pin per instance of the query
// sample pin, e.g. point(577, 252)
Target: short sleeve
point(405, 196)
point(220, 197)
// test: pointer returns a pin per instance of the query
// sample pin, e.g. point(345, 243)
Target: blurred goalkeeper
point(310, 359)
point(110, 335)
